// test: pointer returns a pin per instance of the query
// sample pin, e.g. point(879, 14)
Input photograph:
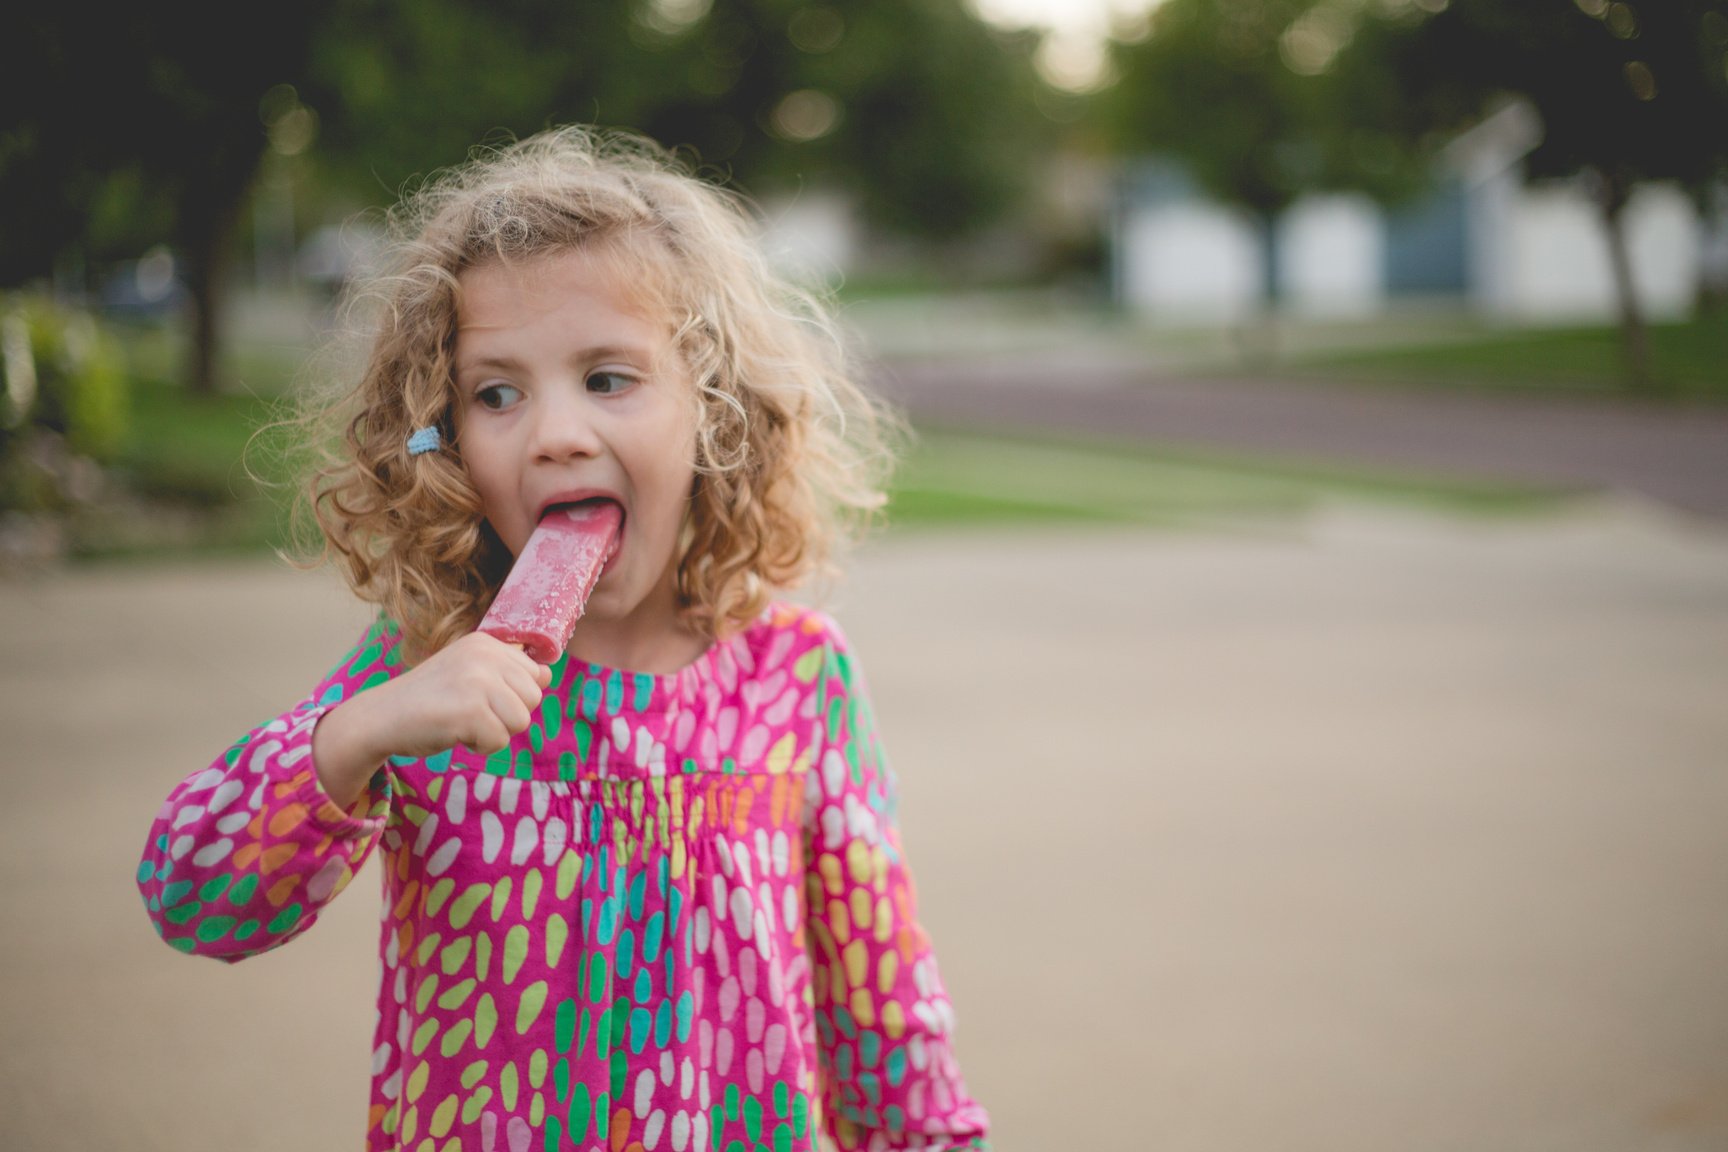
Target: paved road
point(1678, 456)
point(1357, 832)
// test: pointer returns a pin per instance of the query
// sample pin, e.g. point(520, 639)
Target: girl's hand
point(478, 692)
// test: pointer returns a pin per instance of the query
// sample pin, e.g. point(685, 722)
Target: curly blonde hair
point(792, 454)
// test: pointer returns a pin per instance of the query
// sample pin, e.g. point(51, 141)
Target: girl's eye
point(610, 383)
point(498, 397)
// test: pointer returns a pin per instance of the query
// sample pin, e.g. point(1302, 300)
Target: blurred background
point(1333, 394)
point(1476, 194)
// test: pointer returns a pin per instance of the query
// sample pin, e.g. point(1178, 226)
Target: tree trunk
point(1713, 284)
point(1614, 190)
point(207, 249)
point(1257, 336)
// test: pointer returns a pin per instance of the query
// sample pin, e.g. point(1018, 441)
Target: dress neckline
point(610, 690)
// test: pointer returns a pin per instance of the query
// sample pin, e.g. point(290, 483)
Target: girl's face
point(568, 390)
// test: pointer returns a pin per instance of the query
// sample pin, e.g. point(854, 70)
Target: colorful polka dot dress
point(673, 914)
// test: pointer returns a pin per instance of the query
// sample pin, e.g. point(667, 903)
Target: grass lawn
point(955, 478)
point(188, 475)
point(1689, 361)
point(187, 481)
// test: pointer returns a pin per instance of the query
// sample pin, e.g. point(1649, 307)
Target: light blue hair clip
point(425, 440)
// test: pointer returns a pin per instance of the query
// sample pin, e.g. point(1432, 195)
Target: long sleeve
point(884, 1021)
point(244, 854)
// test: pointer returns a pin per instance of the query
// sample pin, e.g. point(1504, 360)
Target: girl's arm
point(883, 1018)
point(244, 855)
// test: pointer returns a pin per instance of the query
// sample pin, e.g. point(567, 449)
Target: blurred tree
point(126, 127)
point(888, 98)
point(1245, 96)
point(918, 107)
point(122, 127)
point(1627, 92)
point(63, 405)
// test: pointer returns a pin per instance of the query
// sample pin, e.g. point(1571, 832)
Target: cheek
point(674, 485)
point(491, 480)
point(677, 437)
point(479, 473)
point(689, 436)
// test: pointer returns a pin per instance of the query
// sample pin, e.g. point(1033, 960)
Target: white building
point(1510, 251)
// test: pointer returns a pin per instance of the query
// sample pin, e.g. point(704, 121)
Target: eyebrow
point(505, 362)
point(585, 355)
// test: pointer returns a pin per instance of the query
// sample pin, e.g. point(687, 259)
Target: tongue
point(549, 585)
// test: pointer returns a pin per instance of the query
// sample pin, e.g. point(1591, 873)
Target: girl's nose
point(563, 427)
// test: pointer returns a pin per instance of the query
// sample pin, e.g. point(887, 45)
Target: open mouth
point(578, 506)
point(588, 508)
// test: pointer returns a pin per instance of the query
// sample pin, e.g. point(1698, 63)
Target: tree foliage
point(888, 98)
point(1247, 98)
point(1632, 91)
point(1627, 92)
point(1246, 95)
point(131, 126)
point(134, 126)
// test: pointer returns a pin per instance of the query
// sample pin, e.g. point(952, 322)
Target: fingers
point(481, 691)
point(489, 736)
point(526, 683)
point(510, 698)
point(540, 674)
point(499, 715)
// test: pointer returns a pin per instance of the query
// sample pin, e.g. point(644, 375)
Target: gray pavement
point(1361, 831)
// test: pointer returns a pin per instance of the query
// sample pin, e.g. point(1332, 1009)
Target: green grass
point(955, 478)
point(193, 448)
point(190, 479)
point(1689, 361)
point(190, 475)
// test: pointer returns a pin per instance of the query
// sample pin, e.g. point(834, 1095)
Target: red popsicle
point(549, 585)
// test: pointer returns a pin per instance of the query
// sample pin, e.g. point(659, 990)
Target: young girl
point(651, 896)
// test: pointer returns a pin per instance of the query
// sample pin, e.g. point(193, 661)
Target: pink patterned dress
point(673, 914)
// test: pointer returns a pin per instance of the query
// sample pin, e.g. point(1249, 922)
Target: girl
point(651, 896)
